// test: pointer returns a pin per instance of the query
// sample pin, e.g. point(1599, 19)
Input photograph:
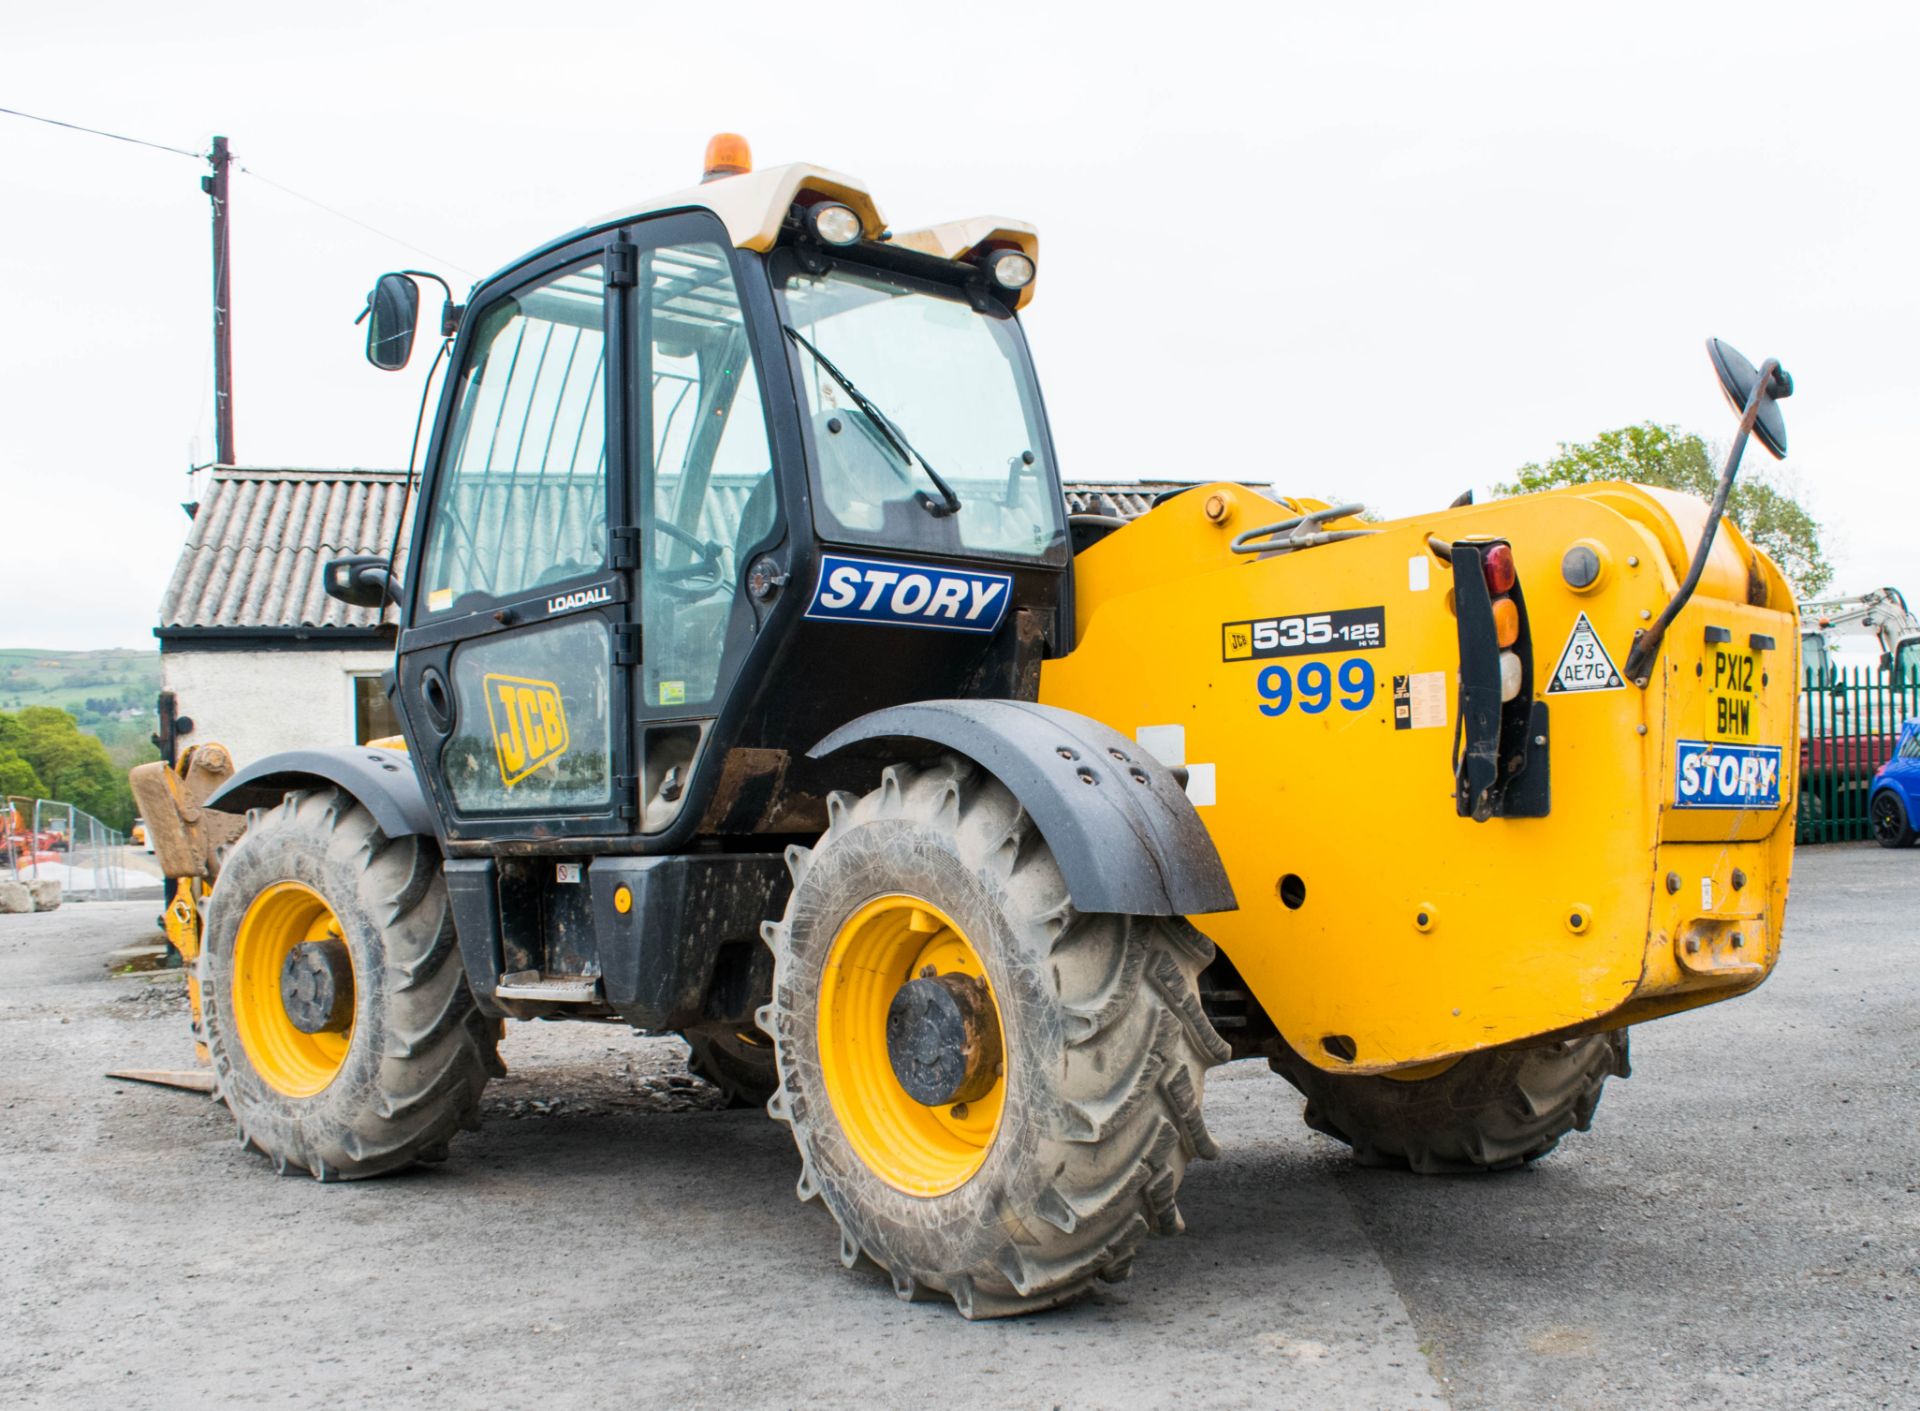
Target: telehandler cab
point(757, 686)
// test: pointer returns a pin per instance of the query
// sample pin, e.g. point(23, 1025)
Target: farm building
point(253, 653)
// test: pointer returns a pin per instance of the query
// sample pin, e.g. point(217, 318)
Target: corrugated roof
point(1121, 499)
point(254, 554)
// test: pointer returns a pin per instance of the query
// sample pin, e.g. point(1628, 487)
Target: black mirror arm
point(1772, 383)
point(449, 311)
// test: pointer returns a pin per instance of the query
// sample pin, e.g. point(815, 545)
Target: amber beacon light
point(727, 155)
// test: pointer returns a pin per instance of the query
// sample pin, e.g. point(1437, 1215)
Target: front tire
point(1490, 1111)
point(399, 1065)
point(1078, 1126)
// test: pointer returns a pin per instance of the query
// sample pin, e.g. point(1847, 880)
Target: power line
point(97, 132)
point(352, 220)
point(202, 156)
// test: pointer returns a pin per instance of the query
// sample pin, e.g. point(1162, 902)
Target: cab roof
point(754, 205)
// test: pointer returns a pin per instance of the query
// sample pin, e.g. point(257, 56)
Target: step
point(548, 989)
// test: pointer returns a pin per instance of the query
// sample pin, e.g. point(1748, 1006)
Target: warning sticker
point(1584, 664)
point(1420, 700)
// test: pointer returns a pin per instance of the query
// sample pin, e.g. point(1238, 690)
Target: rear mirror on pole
point(392, 314)
point(1737, 379)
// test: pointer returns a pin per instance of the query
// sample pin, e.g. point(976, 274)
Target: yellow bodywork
point(1418, 935)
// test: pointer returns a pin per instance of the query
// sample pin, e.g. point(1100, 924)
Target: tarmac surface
point(1741, 1229)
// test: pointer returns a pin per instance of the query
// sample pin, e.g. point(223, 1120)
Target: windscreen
point(931, 395)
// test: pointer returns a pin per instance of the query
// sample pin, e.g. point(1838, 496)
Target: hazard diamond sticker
point(1584, 664)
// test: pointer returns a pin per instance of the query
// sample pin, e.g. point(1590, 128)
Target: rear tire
point(1489, 1112)
point(1891, 826)
point(1104, 1049)
point(407, 1075)
point(741, 1068)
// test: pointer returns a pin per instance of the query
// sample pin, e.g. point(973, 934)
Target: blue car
point(1895, 800)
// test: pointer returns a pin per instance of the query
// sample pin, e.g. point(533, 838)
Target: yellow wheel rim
point(923, 1151)
point(287, 1060)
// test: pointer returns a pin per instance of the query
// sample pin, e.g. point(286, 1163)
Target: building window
point(373, 717)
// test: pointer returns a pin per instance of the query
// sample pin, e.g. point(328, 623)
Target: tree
point(17, 777)
point(64, 764)
point(1665, 456)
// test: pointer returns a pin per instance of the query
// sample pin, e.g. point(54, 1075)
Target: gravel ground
point(1741, 1229)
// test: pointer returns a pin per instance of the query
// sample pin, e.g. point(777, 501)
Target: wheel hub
point(910, 1042)
point(291, 969)
point(943, 1039)
point(316, 987)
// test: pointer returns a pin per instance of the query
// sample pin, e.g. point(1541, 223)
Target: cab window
point(709, 492)
point(939, 383)
point(522, 497)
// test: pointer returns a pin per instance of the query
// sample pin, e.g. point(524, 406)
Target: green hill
point(86, 683)
point(110, 693)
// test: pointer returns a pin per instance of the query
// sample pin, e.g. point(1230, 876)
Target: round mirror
point(1737, 378)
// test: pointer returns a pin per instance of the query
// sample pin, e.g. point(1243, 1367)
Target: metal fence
point(1849, 724)
point(48, 840)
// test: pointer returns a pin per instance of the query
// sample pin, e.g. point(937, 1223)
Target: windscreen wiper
point(896, 438)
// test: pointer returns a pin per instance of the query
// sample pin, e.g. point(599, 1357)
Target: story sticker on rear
point(1584, 663)
point(1708, 774)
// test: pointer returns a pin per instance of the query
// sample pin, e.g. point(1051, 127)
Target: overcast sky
point(1382, 252)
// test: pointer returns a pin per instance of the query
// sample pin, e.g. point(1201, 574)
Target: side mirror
point(392, 314)
point(361, 580)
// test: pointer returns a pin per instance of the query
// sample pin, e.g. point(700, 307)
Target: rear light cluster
point(1500, 756)
point(1497, 567)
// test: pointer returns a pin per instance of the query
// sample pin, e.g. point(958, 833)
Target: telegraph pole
point(216, 188)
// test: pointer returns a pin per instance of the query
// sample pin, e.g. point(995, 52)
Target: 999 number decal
point(1315, 687)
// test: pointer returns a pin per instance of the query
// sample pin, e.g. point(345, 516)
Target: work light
point(834, 223)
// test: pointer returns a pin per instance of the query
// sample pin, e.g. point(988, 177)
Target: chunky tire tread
point(1489, 1112)
point(422, 1052)
point(745, 1073)
point(1096, 1138)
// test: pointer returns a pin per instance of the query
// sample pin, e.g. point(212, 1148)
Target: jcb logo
point(529, 724)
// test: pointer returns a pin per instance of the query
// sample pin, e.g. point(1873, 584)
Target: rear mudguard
point(382, 780)
point(1119, 823)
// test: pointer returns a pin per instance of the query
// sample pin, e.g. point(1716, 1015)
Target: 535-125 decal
point(1305, 634)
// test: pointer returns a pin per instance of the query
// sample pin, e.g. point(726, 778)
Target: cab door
point(705, 496)
point(512, 672)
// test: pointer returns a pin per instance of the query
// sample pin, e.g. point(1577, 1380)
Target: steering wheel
point(693, 580)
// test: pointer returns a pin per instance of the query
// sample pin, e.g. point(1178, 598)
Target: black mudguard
point(382, 780)
point(1120, 824)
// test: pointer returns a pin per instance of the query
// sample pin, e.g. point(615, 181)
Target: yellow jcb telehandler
point(757, 686)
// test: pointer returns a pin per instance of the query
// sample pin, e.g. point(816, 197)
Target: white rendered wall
point(257, 703)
